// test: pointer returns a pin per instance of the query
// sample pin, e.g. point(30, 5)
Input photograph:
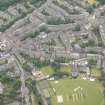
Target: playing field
point(77, 92)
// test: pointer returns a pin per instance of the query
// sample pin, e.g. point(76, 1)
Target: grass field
point(95, 72)
point(91, 90)
point(48, 70)
point(90, 93)
point(92, 1)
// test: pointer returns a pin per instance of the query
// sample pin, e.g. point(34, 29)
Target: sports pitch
point(77, 92)
point(87, 92)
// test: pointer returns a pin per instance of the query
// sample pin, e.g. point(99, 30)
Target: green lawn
point(92, 1)
point(66, 69)
point(95, 72)
point(92, 92)
point(48, 70)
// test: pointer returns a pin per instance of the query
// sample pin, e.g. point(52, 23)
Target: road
point(24, 89)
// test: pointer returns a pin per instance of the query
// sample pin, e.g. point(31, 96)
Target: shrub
point(77, 28)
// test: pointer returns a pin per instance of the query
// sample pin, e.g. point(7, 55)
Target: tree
point(92, 62)
point(4, 4)
point(61, 59)
point(77, 28)
point(56, 67)
point(90, 9)
point(26, 67)
point(101, 1)
point(91, 42)
point(37, 3)
point(68, 20)
point(39, 63)
point(97, 33)
point(44, 12)
point(34, 34)
point(55, 21)
point(44, 28)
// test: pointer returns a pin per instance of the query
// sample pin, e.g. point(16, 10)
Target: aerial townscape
point(52, 52)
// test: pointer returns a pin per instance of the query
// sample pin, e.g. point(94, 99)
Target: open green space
point(74, 91)
point(89, 93)
point(95, 72)
point(48, 70)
